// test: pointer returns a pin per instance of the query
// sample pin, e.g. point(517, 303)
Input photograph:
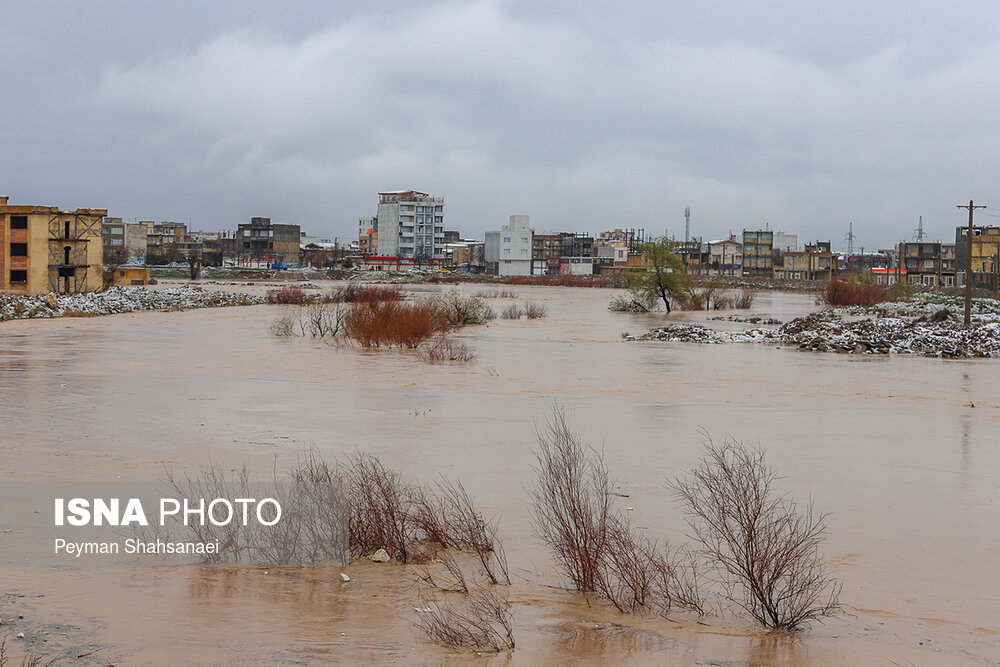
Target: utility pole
point(968, 263)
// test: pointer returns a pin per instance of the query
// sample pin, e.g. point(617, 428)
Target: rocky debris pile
point(748, 319)
point(932, 329)
point(983, 310)
point(893, 335)
point(689, 333)
point(119, 300)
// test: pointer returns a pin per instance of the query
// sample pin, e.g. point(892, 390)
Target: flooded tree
point(764, 545)
point(665, 277)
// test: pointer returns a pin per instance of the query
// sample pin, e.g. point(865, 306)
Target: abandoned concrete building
point(44, 249)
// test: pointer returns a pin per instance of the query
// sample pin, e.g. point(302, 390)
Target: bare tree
point(571, 502)
point(114, 259)
point(765, 546)
point(193, 257)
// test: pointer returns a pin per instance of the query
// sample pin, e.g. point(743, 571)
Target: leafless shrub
point(29, 659)
point(511, 312)
point(288, 295)
point(744, 298)
point(594, 545)
point(764, 545)
point(325, 319)
point(571, 502)
point(284, 325)
point(455, 581)
point(481, 622)
point(447, 514)
point(640, 574)
point(534, 310)
point(314, 515)
point(444, 348)
point(381, 509)
point(347, 293)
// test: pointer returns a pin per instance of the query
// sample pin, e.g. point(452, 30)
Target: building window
point(18, 222)
point(506, 239)
point(18, 249)
point(439, 209)
point(18, 276)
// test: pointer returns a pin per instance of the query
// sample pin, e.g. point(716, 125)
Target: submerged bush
point(287, 295)
point(764, 546)
point(594, 545)
point(839, 292)
point(626, 304)
point(392, 323)
point(460, 310)
point(444, 348)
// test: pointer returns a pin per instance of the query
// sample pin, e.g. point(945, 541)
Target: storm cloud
point(585, 119)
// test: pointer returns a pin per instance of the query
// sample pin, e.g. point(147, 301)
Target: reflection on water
point(887, 445)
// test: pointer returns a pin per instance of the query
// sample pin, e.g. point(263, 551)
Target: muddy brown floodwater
point(892, 447)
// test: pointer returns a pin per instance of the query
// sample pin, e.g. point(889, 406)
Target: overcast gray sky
point(587, 116)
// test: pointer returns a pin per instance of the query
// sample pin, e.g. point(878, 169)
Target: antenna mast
point(850, 238)
point(687, 224)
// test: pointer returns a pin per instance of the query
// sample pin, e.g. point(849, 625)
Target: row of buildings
point(47, 249)
point(409, 231)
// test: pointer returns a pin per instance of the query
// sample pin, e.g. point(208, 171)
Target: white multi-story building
point(786, 242)
point(410, 225)
point(510, 248)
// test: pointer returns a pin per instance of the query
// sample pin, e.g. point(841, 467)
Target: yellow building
point(43, 249)
point(127, 276)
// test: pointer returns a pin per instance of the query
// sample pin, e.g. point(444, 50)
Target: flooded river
point(903, 452)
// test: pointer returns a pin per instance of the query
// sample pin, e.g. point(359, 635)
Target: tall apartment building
point(410, 226)
point(510, 248)
point(757, 253)
point(43, 249)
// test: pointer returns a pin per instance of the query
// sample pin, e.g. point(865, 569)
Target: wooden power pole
point(968, 263)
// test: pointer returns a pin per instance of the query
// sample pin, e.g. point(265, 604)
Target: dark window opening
point(66, 254)
point(67, 272)
point(67, 230)
point(18, 249)
point(18, 276)
point(18, 222)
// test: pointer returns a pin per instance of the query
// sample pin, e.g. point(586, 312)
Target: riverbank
point(116, 300)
